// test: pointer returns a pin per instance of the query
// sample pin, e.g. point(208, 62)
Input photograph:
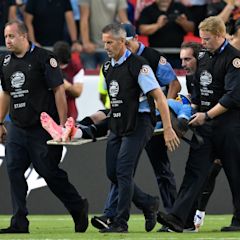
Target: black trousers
point(157, 153)
point(26, 146)
point(208, 186)
point(122, 157)
point(221, 140)
point(196, 171)
point(227, 143)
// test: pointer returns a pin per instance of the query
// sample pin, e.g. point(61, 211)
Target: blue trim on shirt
point(223, 46)
point(123, 58)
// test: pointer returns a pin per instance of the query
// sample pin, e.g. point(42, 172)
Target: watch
point(1, 123)
point(207, 117)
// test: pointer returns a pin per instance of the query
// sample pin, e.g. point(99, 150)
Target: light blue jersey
point(165, 73)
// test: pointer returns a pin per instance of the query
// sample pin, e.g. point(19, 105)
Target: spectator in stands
point(197, 9)
point(140, 5)
point(228, 10)
point(166, 22)
point(40, 13)
point(235, 40)
point(73, 86)
point(102, 13)
point(8, 11)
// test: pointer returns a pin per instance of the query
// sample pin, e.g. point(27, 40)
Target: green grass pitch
point(60, 227)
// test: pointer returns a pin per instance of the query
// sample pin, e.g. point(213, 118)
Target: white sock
point(78, 134)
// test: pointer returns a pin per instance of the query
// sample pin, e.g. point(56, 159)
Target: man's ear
point(123, 40)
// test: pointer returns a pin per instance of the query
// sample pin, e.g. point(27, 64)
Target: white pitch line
point(44, 219)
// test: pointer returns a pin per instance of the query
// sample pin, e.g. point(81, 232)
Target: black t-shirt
point(171, 35)
point(4, 8)
point(218, 78)
point(29, 81)
point(48, 19)
point(190, 84)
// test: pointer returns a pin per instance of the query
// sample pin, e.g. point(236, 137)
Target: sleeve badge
point(144, 70)
point(236, 62)
point(162, 60)
point(53, 62)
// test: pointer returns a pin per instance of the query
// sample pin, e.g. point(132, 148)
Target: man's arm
point(88, 46)
point(188, 26)
point(12, 13)
point(28, 18)
point(74, 90)
point(227, 10)
point(167, 77)
point(171, 139)
point(174, 89)
point(217, 110)
point(122, 14)
point(149, 29)
point(61, 103)
point(72, 29)
point(4, 107)
point(200, 118)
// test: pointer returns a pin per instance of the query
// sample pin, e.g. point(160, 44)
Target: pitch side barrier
point(163, 50)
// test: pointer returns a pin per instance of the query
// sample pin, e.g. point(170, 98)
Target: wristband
point(1, 123)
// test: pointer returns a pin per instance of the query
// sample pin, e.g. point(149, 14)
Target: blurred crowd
point(163, 24)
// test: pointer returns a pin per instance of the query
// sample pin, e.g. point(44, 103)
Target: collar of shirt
point(222, 47)
point(32, 46)
point(140, 49)
point(123, 58)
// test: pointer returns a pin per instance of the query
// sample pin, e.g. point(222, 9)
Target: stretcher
point(82, 141)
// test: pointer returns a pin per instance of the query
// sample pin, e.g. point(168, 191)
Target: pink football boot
point(70, 130)
point(51, 126)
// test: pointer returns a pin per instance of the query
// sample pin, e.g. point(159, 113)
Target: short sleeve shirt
point(102, 12)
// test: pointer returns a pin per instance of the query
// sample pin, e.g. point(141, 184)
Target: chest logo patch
point(53, 62)
point(205, 78)
point(236, 62)
point(113, 88)
point(17, 79)
point(201, 55)
point(106, 66)
point(6, 60)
